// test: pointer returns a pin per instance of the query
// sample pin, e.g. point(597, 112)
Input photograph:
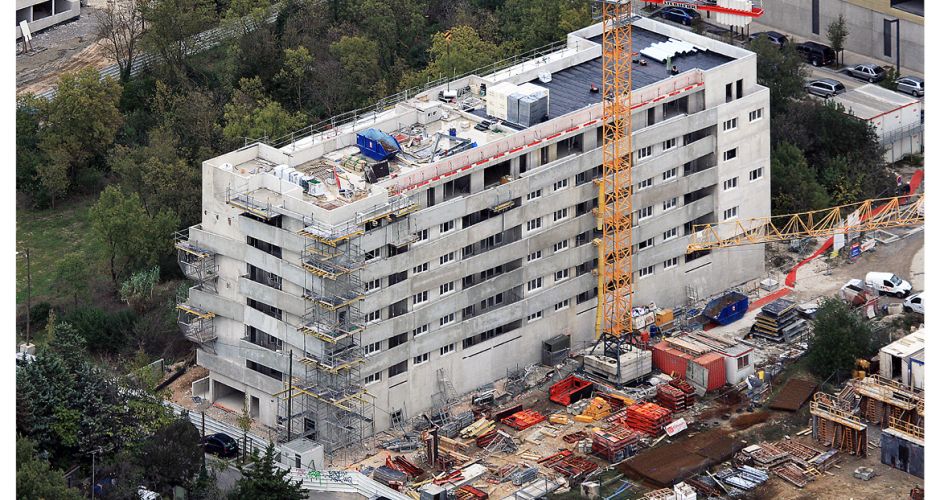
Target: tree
point(840, 337)
point(793, 185)
point(528, 24)
point(244, 422)
point(265, 480)
point(172, 456)
point(28, 154)
point(172, 26)
point(837, 33)
point(72, 276)
point(102, 332)
point(362, 74)
point(781, 70)
point(121, 26)
point(253, 115)
point(77, 127)
point(189, 118)
point(454, 52)
point(130, 238)
point(295, 73)
point(35, 478)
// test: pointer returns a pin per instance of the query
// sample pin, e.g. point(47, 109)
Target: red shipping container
point(715, 363)
point(670, 361)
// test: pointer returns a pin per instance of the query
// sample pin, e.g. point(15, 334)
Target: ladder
point(447, 387)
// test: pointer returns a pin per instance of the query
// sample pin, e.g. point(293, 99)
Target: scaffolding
point(883, 399)
point(836, 427)
point(198, 264)
point(325, 399)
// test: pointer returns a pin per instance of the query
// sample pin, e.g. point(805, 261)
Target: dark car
point(221, 445)
point(680, 15)
point(871, 72)
point(825, 87)
point(778, 39)
point(911, 85)
point(816, 54)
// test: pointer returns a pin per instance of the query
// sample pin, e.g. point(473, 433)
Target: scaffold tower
point(198, 264)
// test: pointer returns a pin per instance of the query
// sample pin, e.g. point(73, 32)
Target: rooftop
point(446, 128)
point(871, 101)
point(906, 346)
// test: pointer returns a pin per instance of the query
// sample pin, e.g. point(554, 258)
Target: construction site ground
point(66, 47)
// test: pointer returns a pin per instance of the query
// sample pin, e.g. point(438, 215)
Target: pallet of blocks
point(524, 419)
point(648, 418)
point(779, 321)
point(672, 398)
point(614, 443)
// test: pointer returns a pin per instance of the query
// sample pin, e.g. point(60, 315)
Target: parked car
point(778, 39)
point(816, 54)
point(888, 284)
point(824, 87)
point(680, 15)
point(868, 71)
point(221, 445)
point(913, 85)
point(915, 303)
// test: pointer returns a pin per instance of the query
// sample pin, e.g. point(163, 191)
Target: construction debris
point(524, 419)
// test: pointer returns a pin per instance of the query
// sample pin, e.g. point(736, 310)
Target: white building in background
point(385, 292)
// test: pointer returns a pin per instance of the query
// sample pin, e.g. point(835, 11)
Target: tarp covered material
point(377, 144)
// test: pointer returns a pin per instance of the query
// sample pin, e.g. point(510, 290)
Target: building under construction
point(375, 265)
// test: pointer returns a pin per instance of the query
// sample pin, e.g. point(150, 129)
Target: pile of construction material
point(792, 461)
point(744, 478)
point(674, 398)
point(614, 443)
point(779, 321)
point(681, 491)
point(569, 465)
point(648, 418)
point(524, 419)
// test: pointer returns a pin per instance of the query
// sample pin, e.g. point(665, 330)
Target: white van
point(915, 303)
point(888, 284)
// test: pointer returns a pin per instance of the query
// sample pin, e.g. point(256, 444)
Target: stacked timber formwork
point(837, 427)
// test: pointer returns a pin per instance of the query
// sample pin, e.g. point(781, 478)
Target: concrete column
point(476, 182)
point(589, 139)
point(552, 152)
point(514, 168)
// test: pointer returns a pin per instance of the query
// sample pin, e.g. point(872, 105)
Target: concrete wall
point(41, 14)
point(865, 22)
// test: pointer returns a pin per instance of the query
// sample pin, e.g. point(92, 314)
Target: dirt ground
point(67, 47)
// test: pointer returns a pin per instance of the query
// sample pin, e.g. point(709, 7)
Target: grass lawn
point(50, 235)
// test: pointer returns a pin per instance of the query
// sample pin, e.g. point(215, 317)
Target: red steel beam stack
point(672, 398)
point(614, 443)
point(685, 387)
point(523, 419)
point(648, 418)
point(484, 440)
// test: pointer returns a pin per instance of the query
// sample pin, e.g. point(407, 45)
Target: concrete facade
point(471, 295)
point(865, 21)
point(41, 14)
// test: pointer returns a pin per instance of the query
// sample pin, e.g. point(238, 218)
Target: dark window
point(740, 88)
point(728, 96)
point(265, 278)
point(651, 116)
point(398, 308)
point(264, 370)
point(430, 197)
point(397, 340)
point(522, 163)
point(265, 247)
point(265, 308)
point(398, 369)
point(397, 278)
point(275, 221)
point(815, 16)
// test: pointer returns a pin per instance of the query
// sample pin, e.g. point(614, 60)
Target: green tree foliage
point(358, 57)
point(780, 70)
point(837, 146)
point(837, 32)
point(35, 478)
point(191, 118)
point(72, 276)
point(840, 337)
point(793, 183)
point(130, 238)
point(28, 154)
point(295, 74)
point(527, 24)
point(253, 115)
point(101, 331)
point(159, 177)
point(171, 26)
point(172, 456)
point(265, 480)
point(454, 52)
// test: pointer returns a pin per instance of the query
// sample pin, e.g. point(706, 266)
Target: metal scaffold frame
point(198, 264)
point(325, 399)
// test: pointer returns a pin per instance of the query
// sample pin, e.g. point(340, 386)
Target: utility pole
point(29, 295)
point(290, 398)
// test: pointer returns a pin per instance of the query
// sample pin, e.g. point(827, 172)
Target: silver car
point(871, 72)
point(911, 85)
point(824, 87)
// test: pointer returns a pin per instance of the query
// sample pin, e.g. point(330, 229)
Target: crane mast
point(614, 324)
